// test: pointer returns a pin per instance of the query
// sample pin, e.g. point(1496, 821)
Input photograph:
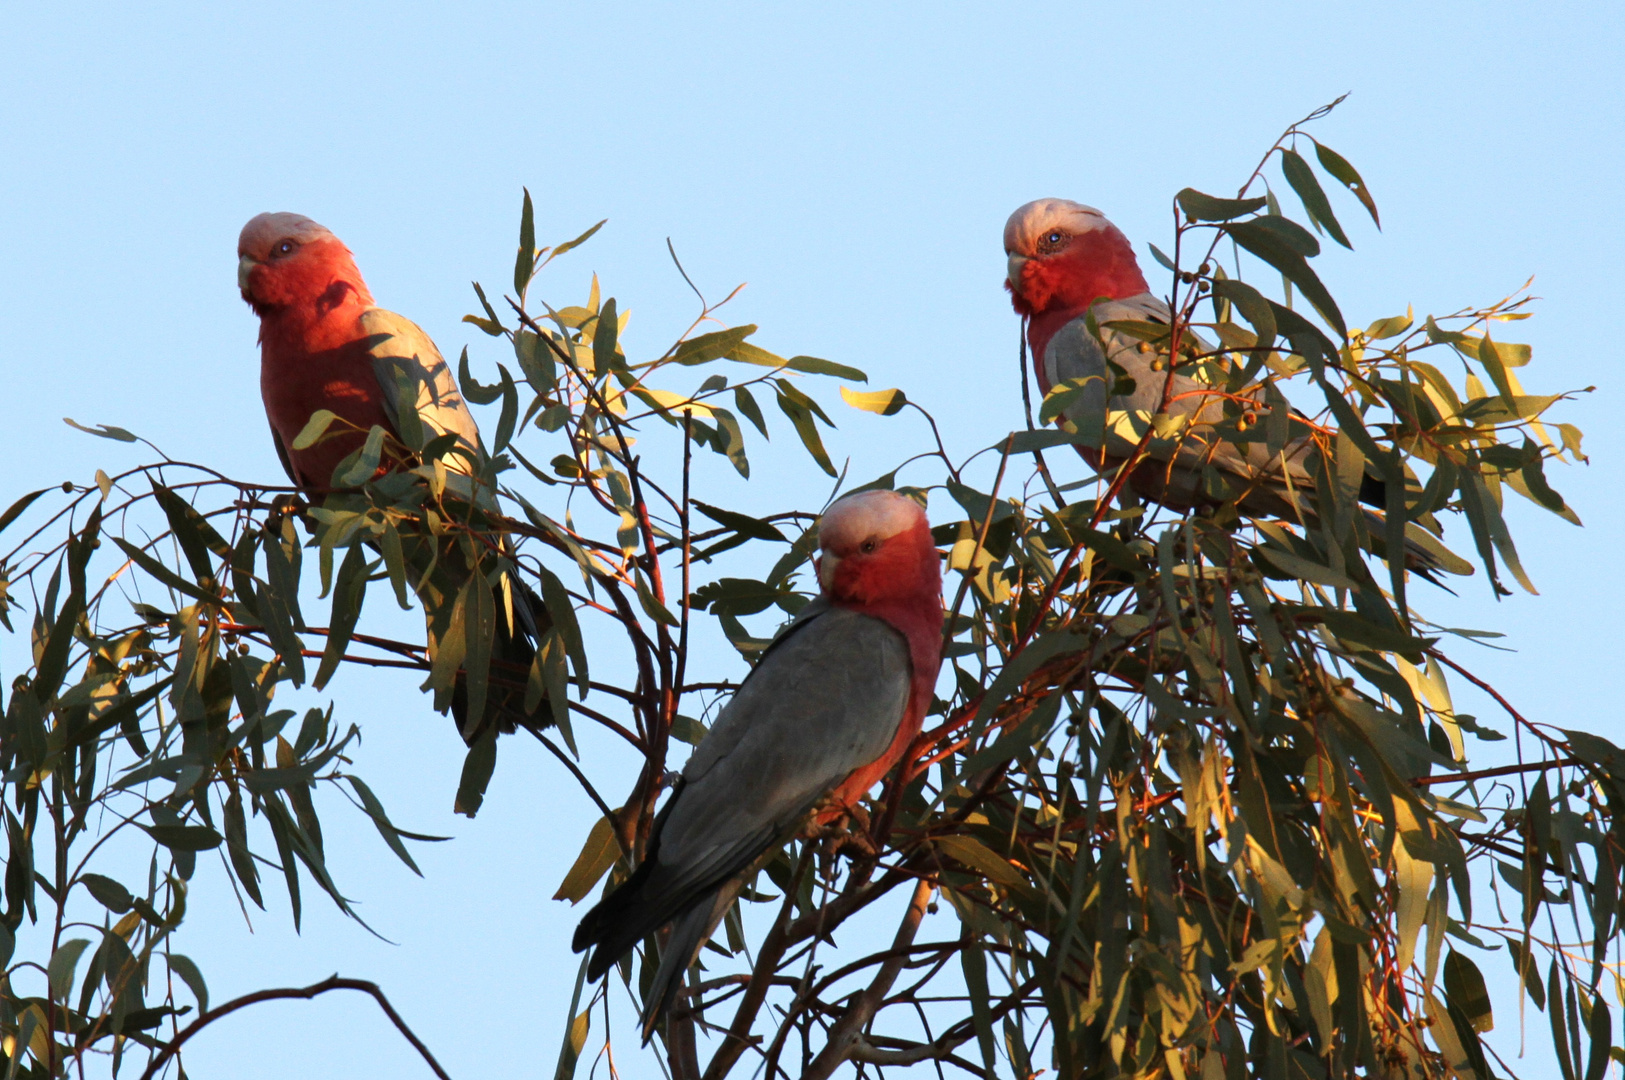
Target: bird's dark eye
point(284, 248)
point(868, 546)
point(1053, 240)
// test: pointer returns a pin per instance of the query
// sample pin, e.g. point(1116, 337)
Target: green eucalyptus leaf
point(1302, 178)
point(108, 893)
point(64, 962)
point(1343, 172)
point(1200, 207)
point(525, 262)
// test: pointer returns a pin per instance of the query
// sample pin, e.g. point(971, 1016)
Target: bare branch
point(335, 982)
point(848, 1031)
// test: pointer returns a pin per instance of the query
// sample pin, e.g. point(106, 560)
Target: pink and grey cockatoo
point(1066, 260)
point(324, 345)
point(831, 707)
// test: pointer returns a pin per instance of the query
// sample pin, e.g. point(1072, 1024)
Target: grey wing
point(1073, 355)
point(824, 701)
point(282, 456)
point(1108, 419)
point(406, 360)
point(726, 733)
point(1118, 422)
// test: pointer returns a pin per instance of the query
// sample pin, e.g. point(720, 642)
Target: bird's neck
point(904, 589)
point(330, 321)
point(1098, 265)
point(312, 301)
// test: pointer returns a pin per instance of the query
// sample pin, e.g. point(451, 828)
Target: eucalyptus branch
point(848, 1031)
point(334, 982)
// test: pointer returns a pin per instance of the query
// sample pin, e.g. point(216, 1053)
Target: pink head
point(1064, 256)
point(875, 547)
point(287, 261)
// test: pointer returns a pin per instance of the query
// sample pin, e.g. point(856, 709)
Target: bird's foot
point(285, 505)
point(289, 503)
point(840, 830)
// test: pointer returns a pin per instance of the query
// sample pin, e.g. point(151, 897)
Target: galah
point(324, 345)
point(829, 709)
point(1065, 262)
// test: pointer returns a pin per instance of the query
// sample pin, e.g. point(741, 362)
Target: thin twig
point(334, 982)
point(688, 543)
point(848, 1031)
point(581, 778)
point(1504, 770)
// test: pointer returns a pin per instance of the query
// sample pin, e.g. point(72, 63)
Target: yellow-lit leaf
point(1415, 878)
point(884, 402)
point(598, 854)
point(976, 855)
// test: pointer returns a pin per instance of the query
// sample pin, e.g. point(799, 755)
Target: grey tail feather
point(514, 646)
point(1373, 490)
point(689, 933)
point(1424, 555)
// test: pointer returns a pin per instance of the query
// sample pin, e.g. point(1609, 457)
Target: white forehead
point(877, 514)
point(1034, 219)
point(264, 230)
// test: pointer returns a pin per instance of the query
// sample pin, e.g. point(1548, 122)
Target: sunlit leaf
point(884, 402)
point(597, 855)
point(106, 431)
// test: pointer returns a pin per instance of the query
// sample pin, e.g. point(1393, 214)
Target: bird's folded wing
point(402, 354)
point(282, 456)
point(1117, 420)
point(825, 700)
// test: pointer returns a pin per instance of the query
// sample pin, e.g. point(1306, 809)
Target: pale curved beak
point(245, 266)
point(827, 565)
point(1013, 271)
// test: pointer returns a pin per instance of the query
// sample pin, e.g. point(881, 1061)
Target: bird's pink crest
point(1025, 228)
point(264, 231)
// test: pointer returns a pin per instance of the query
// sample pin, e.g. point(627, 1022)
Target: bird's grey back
point(1074, 353)
point(825, 700)
point(400, 349)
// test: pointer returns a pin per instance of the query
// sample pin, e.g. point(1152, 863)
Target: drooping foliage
point(1193, 800)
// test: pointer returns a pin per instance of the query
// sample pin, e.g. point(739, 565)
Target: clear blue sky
point(855, 164)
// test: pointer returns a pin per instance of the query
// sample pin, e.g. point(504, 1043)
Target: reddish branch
point(1517, 717)
point(1503, 770)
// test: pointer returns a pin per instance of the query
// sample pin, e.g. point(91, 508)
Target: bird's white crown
point(1032, 220)
point(868, 515)
point(264, 231)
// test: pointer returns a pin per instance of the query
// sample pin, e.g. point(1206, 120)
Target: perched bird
point(831, 706)
point(1065, 261)
point(324, 345)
